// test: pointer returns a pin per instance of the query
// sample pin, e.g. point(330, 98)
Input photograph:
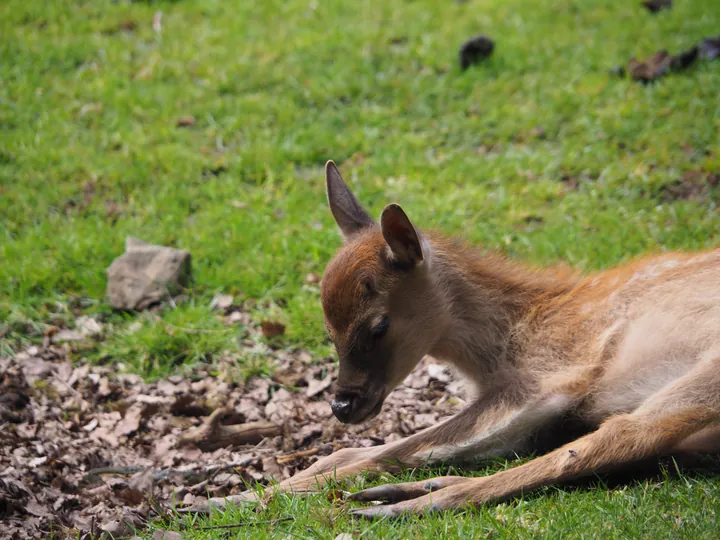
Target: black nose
point(342, 406)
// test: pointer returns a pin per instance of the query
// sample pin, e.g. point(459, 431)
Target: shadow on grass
point(687, 466)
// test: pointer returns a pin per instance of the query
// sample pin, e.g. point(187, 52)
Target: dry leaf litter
point(88, 450)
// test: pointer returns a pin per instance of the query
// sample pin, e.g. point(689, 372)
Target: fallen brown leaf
point(272, 329)
point(316, 386)
point(693, 185)
point(130, 496)
point(662, 62)
point(130, 422)
point(186, 121)
point(333, 496)
point(104, 445)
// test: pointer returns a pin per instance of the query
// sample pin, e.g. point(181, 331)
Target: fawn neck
point(485, 298)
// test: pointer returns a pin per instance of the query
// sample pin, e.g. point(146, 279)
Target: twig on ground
point(163, 474)
point(64, 383)
point(213, 434)
point(247, 524)
point(287, 458)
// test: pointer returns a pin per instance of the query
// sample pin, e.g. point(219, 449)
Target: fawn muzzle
point(354, 408)
point(342, 407)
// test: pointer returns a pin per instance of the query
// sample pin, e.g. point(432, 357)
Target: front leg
point(680, 415)
point(486, 428)
point(621, 440)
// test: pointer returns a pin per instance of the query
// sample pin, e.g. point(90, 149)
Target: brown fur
point(633, 352)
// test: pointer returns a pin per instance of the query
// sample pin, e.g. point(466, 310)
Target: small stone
point(88, 326)
point(146, 274)
point(221, 302)
point(237, 316)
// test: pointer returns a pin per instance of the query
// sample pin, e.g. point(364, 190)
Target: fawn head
point(379, 304)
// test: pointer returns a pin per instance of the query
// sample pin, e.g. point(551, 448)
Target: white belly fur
point(660, 345)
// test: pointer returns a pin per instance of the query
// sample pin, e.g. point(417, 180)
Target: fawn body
point(632, 352)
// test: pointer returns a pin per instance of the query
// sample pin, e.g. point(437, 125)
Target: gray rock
point(146, 274)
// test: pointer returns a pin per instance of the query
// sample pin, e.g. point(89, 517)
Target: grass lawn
point(668, 505)
point(538, 152)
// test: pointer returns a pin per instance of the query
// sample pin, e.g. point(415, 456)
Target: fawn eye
point(380, 329)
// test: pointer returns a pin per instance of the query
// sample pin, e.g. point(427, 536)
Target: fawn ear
point(401, 236)
point(348, 214)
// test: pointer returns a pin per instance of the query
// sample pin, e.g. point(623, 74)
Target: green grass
point(90, 153)
point(672, 504)
point(154, 346)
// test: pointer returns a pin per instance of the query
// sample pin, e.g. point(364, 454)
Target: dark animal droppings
point(661, 63)
point(710, 48)
point(474, 50)
point(617, 71)
point(657, 5)
point(685, 59)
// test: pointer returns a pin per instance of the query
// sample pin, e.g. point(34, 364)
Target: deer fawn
point(633, 352)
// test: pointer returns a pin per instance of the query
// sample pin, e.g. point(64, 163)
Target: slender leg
point(483, 429)
point(687, 408)
point(706, 441)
